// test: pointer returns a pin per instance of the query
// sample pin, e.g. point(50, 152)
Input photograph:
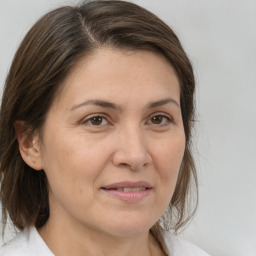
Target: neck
point(63, 240)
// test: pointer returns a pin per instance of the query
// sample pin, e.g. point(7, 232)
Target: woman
point(95, 137)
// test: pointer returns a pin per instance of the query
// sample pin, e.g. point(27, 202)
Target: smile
point(129, 191)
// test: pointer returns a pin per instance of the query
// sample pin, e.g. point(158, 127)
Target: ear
point(29, 145)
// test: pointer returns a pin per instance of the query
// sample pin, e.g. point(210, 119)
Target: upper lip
point(128, 184)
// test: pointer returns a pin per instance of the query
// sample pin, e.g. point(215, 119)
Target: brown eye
point(160, 120)
point(96, 120)
point(157, 119)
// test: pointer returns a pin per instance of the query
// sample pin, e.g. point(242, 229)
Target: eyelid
point(86, 119)
point(107, 118)
point(163, 114)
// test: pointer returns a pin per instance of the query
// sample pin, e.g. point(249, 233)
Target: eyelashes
point(101, 120)
point(96, 121)
point(160, 119)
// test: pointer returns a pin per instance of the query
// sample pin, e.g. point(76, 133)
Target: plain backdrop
point(220, 39)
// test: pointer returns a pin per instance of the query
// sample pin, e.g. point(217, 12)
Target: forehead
point(108, 72)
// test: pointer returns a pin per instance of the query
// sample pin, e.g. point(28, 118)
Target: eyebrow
point(100, 103)
point(110, 105)
point(163, 102)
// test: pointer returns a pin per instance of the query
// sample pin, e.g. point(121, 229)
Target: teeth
point(131, 189)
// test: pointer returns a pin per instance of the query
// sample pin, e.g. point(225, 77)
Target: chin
point(129, 227)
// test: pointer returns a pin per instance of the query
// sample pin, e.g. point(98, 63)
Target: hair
point(46, 56)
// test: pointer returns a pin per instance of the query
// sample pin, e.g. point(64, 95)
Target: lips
point(129, 186)
point(131, 189)
point(129, 192)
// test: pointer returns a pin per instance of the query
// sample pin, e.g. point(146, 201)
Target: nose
point(131, 149)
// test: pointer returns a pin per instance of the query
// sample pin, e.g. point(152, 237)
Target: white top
point(30, 243)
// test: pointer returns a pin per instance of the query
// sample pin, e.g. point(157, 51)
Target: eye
point(95, 121)
point(160, 120)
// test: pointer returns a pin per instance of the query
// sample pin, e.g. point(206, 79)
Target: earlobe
point(29, 145)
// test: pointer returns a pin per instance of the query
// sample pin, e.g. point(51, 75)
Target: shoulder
point(176, 246)
point(17, 246)
point(26, 243)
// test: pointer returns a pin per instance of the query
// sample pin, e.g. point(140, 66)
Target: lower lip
point(131, 196)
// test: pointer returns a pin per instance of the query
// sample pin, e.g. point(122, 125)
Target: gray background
point(220, 38)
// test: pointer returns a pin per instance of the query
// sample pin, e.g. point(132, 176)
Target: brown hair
point(45, 57)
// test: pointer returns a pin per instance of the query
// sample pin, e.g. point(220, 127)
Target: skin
point(131, 142)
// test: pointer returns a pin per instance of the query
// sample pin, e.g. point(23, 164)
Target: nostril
point(133, 158)
point(127, 166)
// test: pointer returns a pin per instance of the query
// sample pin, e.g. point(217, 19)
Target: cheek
point(168, 158)
point(70, 161)
point(169, 154)
point(72, 168)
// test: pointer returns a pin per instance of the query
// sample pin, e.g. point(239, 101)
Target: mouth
point(129, 191)
point(127, 186)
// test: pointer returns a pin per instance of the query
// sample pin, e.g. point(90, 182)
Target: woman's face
point(113, 142)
